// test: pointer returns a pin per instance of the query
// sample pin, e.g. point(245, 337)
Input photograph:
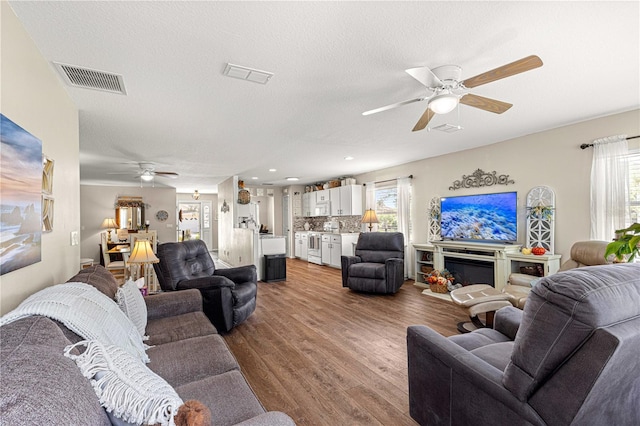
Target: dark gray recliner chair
point(571, 357)
point(378, 264)
point(229, 295)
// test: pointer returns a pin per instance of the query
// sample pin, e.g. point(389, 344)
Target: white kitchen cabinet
point(322, 196)
point(301, 247)
point(309, 204)
point(346, 200)
point(331, 250)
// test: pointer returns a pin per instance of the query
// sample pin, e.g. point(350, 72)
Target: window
point(634, 186)
point(387, 207)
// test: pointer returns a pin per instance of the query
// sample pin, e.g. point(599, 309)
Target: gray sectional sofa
point(40, 386)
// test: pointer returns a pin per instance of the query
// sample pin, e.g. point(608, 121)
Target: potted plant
point(626, 245)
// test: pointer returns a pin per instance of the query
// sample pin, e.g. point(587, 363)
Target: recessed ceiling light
point(272, 170)
point(348, 158)
point(292, 178)
point(255, 177)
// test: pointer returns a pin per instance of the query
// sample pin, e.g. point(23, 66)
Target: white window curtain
point(404, 196)
point(609, 187)
point(370, 202)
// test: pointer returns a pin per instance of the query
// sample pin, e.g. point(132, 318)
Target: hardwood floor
point(326, 355)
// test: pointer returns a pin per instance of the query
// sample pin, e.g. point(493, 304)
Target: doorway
point(195, 222)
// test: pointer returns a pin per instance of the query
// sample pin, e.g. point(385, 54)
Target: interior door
point(286, 228)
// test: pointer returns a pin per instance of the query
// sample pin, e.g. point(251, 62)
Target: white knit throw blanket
point(125, 386)
point(85, 311)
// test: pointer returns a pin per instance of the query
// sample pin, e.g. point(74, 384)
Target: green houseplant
point(626, 245)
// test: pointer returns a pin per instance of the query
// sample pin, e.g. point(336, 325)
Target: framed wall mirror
point(130, 213)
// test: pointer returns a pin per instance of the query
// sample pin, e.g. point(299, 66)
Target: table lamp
point(142, 254)
point(370, 218)
point(109, 224)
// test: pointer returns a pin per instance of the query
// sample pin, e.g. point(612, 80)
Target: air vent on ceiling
point(87, 78)
point(449, 128)
point(249, 74)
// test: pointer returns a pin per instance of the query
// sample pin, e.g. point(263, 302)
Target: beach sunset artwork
point(20, 197)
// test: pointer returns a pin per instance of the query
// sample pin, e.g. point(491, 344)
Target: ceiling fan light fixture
point(146, 176)
point(443, 103)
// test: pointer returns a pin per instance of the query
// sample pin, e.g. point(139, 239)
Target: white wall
point(552, 158)
point(34, 98)
point(98, 203)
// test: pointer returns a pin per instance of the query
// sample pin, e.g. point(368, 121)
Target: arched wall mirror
point(130, 213)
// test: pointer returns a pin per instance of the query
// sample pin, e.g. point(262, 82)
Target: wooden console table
point(506, 259)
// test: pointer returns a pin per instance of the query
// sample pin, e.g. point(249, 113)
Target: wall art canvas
point(20, 197)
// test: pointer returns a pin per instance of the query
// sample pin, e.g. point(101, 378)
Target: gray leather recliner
point(378, 264)
point(228, 295)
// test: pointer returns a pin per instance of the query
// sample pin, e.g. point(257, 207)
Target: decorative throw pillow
point(132, 303)
point(125, 387)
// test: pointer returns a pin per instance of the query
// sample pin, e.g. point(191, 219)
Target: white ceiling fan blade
point(424, 76)
point(388, 107)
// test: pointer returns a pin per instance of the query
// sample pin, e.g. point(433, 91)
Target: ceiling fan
point(445, 89)
point(148, 171)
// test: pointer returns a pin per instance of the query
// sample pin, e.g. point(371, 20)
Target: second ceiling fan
point(446, 90)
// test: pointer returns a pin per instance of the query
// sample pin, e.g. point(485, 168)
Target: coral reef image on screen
point(480, 217)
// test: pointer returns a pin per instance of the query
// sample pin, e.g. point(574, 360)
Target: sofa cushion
point(98, 277)
point(124, 385)
point(191, 359)
point(38, 385)
point(496, 354)
point(216, 391)
point(478, 338)
point(132, 303)
point(179, 327)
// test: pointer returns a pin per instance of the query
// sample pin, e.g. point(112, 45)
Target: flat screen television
point(484, 217)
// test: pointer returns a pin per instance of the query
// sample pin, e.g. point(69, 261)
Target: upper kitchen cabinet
point(308, 204)
point(346, 200)
point(322, 196)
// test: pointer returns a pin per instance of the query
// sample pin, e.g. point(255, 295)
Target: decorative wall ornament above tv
point(480, 178)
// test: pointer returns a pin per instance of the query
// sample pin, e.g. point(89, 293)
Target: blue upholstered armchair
point(378, 264)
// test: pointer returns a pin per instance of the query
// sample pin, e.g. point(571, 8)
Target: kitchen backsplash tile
point(347, 223)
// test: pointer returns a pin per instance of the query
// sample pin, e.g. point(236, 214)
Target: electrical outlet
point(75, 239)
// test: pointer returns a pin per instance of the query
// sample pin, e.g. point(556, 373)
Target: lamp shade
point(146, 176)
point(142, 253)
point(370, 217)
point(443, 103)
point(109, 223)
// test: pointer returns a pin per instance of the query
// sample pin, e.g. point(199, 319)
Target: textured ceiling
point(331, 61)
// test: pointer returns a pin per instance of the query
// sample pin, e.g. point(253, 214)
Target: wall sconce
point(370, 218)
point(196, 195)
point(225, 207)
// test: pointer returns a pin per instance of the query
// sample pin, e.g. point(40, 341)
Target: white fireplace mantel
point(506, 258)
